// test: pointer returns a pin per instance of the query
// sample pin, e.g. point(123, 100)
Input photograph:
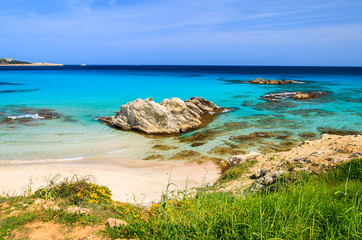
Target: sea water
point(81, 94)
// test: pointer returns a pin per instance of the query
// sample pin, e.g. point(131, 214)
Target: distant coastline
point(33, 64)
point(11, 62)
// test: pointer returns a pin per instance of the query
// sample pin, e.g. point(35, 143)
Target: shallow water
point(78, 95)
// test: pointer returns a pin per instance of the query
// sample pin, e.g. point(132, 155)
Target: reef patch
point(163, 147)
point(334, 131)
point(276, 97)
point(13, 116)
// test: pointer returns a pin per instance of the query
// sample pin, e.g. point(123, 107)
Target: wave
point(33, 116)
point(44, 160)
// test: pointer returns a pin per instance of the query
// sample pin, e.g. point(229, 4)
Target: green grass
point(235, 172)
point(301, 206)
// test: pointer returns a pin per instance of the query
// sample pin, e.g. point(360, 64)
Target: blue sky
point(195, 32)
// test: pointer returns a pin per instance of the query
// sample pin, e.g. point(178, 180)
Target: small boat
point(83, 65)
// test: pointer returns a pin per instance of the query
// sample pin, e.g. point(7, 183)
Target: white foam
point(298, 82)
point(75, 141)
point(117, 151)
point(44, 160)
point(33, 116)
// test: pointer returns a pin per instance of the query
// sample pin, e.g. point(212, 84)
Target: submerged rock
point(334, 131)
point(307, 135)
point(155, 157)
point(205, 135)
point(197, 144)
point(310, 112)
point(223, 151)
point(186, 155)
point(275, 106)
point(171, 116)
point(252, 136)
point(19, 115)
point(275, 97)
point(247, 103)
point(163, 147)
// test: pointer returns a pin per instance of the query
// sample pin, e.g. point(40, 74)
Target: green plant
point(236, 171)
point(76, 191)
point(352, 169)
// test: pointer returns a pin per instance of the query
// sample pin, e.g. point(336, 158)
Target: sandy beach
point(134, 181)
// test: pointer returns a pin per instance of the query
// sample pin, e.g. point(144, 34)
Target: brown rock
point(270, 81)
point(163, 147)
point(275, 97)
point(155, 157)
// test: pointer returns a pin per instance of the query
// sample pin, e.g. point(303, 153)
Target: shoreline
point(135, 181)
point(144, 181)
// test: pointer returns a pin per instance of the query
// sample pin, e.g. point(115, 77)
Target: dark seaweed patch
point(307, 135)
point(265, 141)
point(163, 147)
point(197, 144)
point(19, 91)
point(270, 123)
point(7, 83)
point(239, 96)
point(310, 113)
point(247, 103)
point(342, 132)
point(231, 81)
point(202, 136)
point(356, 100)
point(69, 119)
point(226, 151)
point(274, 106)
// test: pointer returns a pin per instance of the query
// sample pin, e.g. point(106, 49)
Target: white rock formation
point(168, 117)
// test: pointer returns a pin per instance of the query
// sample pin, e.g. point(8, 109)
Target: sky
point(183, 32)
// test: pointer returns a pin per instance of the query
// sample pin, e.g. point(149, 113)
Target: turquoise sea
point(75, 96)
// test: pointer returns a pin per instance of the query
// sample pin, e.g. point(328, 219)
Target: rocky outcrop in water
point(275, 97)
point(270, 81)
point(14, 116)
point(171, 116)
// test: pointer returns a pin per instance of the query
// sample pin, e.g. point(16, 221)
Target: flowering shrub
point(77, 191)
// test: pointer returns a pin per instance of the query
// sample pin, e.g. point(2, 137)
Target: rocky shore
point(310, 156)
